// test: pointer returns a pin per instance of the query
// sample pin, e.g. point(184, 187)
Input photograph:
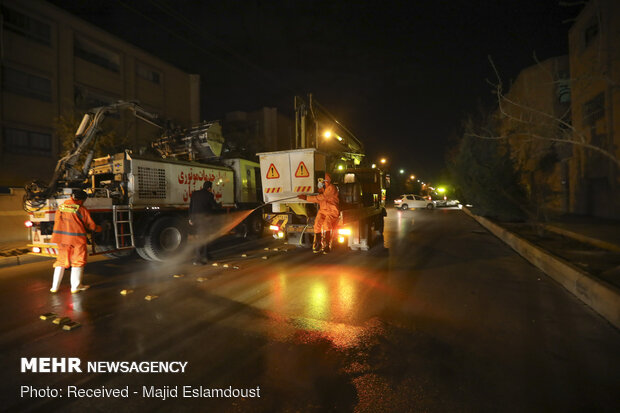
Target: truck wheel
point(166, 237)
point(143, 254)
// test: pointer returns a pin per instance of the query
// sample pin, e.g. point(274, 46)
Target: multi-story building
point(535, 115)
point(55, 66)
point(594, 52)
point(262, 130)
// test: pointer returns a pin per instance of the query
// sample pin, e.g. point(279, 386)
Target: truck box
point(286, 174)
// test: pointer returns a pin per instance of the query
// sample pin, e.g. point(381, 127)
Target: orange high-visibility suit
point(70, 226)
point(327, 217)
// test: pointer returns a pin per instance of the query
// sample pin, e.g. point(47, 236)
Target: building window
point(96, 54)
point(590, 33)
point(149, 74)
point(26, 84)
point(26, 26)
point(87, 99)
point(594, 110)
point(27, 142)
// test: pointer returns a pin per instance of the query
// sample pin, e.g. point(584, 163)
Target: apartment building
point(594, 53)
point(55, 66)
point(536, 111)
point(261, 130)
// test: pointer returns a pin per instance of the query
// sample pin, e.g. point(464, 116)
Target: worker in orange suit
point(70, 226)
point(327, 217)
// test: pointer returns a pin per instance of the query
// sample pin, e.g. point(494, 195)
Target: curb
point(597, 294)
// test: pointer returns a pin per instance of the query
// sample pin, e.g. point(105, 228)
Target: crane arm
point(84, 138)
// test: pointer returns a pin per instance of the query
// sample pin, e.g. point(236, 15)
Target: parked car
point(452, 202)
point(413, 201)
point(441, 202)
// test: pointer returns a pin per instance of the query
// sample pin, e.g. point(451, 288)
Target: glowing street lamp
point(412, 177)
point(374, 165)
point(327, 134)
point(402, 171)
point(383, 161)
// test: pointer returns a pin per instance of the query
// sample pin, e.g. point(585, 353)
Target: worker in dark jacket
point(201, 205)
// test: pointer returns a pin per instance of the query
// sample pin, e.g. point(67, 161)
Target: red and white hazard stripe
point(303, 188)
point(273, 190)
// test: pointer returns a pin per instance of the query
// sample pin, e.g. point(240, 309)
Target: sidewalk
point(601, 233)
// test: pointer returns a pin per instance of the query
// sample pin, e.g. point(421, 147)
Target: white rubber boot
point(58, 273)
point(76, 280)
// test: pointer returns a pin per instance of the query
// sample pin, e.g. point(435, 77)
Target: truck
point(142, 202)
point(287, 174)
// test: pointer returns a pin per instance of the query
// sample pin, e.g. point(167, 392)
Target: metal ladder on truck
point(123, 226)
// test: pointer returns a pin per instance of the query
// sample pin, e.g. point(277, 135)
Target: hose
point(271, 202)
point(301, 237)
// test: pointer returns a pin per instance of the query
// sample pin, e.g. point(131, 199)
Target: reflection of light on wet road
point(318, 299)
point(76, 303)
point(347, 298)
point(278, 292)
point(341, 335)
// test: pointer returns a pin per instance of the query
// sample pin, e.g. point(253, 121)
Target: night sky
point(400, 74)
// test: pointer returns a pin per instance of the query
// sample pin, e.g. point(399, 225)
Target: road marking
point(71, 326)
point(48, 316)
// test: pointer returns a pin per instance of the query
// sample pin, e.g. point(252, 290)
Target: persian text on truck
point(142, 202)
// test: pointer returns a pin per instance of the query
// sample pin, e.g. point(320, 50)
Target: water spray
point(271, 202)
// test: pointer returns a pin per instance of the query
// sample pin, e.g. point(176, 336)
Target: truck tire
point(143, 254)
point(165, 238)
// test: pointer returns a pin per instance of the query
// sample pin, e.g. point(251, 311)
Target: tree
point(534, 123)
point(108, 141)
point(484, 175)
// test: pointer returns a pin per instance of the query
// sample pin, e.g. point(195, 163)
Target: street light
point(412, 177)
point(327, 134)
point(383, 161)
point(402, 171)
point(374, 165)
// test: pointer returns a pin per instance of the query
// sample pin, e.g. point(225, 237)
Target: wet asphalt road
point(441, 317)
